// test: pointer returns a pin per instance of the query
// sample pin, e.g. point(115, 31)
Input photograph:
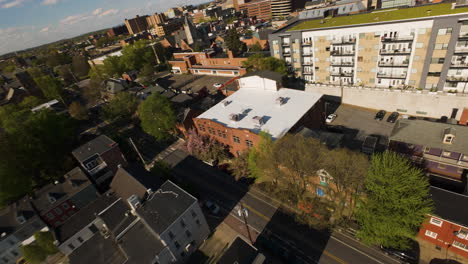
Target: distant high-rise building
point(117, 31)
point(260, 9)
point(155, 19)
point(169, 27)
point(137, 24)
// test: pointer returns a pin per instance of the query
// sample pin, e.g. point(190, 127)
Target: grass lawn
point(394, 14)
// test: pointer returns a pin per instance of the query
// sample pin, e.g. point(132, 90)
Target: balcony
point(345, 41)
point(395, 52)
point(398, 39)
point(308, 63)
point(456, 79)
point(385, 75)
point(463, 36)
point(307, 43)
point(459, 65)
point(342, 74)
point(286, 53)
point(98, 168)
point(393, 64)
point(307, 72)
point(307, 54)
point(285, 44)
point(461, 50)
point(342, 52)
point(342, 64)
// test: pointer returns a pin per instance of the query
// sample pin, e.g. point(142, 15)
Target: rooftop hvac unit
point(258, 120)
point(134, 202)
point(226, 103)
point(280, 100)
point(20, 218)
point(234, 117)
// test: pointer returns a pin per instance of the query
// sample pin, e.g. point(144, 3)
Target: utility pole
point(245, 213)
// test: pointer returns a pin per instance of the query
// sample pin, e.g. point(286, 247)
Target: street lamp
point(243, 212)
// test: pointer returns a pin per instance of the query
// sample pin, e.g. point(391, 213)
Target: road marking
point(256, 212)
point(337, 259)
point(363, 253)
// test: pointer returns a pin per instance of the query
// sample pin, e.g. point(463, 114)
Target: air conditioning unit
point(258, 120)
point(280, 100)
point(234, 117)
point(226, 103)
point(20, 218)
point(134, 202)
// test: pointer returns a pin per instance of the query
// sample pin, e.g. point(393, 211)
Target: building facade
point(261, 9)
point(281, 8)
point(168, 27)
point(155, 19)
point(137, 24)
point(117, 31)
point(418, 52)
point(259, 105)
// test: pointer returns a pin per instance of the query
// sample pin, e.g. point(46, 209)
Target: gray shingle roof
point(430, 134)
point(168, 203)
point(450, 206)
point(98, 145)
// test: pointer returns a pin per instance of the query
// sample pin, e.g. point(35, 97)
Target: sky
point(29, 23)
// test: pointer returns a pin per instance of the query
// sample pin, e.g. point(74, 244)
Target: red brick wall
point(464, 117)
point(445, 235)
point(57, 215)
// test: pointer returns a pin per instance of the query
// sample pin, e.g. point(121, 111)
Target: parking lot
point(194, 83)
point(357, 123)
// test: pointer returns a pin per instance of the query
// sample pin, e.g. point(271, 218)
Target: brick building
point(166, 28)
point(137, 24)
point(155, 19)
point(260, 105)
point(204, 63)
point(117, 31)
point(444, 235)
point(261, 9)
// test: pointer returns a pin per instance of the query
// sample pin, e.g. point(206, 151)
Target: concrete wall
point(417, 103)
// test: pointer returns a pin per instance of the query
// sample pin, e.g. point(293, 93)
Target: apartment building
point(168, 27)
point(259, 105)
point(117, 31)
point(441, 149)
point(426, 49)
point(261, 9)
point(137, 24)
point(155, 19)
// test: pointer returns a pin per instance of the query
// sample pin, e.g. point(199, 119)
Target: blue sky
point(28, 23)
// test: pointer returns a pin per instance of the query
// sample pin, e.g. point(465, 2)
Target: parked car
point(410, 256)
point(392, 118)
point(330, 118)
point(217, 85)
point(212, 207)
point(369, 144)
point(380, 115)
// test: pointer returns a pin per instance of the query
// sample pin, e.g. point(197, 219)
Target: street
point(271, 229)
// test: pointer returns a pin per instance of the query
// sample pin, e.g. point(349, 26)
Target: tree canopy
point(121, 107)
point(395, 203)
point(50, 87)
point(80, 65)
point(232, 40)
point(157, 116)
point(258, 62)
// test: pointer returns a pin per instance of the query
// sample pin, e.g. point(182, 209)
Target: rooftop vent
point(234, 117)
point(20, 218)
point(134, 202)
point(226, 103)
point(4, 234)
point(280, 100)
point(258, 120)
point(51, 198)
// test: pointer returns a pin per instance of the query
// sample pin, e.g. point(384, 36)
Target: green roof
point(382, 16)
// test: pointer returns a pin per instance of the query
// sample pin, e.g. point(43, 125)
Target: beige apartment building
point(426, 49)
point(136, 25)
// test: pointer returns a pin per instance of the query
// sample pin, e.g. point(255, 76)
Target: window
point(202, 127)
point(249, 143)
point(431, 234)
point(236, 139)
point(187, 233)
point(460, 245)
point(71, 246)
point(193, 214)
point(463, 234)
point(441, 46)
point(198, 222)
point(182, 223)
point(441, 166)
point(58, 210)
point(176, 244)
point(446, 153)
point(171, 235)
point(80, 240)
point(320, 192)
point(444, 31)
point(50, 216)
point(435, 221)
point(65, 206)
point(434, 74)
point(448, 139)
point(437, 60)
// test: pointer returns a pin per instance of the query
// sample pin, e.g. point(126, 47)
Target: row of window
point(222, 134)
point(248, 142)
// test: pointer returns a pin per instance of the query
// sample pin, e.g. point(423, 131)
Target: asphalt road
point(272, 228)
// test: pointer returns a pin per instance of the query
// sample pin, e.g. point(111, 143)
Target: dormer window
point(448, 139)
point(449, 135)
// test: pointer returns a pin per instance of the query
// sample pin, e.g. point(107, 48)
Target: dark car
point(380, 115)
point(410, 256)
point(393, 117)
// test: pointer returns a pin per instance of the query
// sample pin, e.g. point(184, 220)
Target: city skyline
point(28, 23)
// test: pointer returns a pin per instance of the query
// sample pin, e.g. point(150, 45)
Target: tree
point(33, 253)
point(80, 65)
point(157, 116)
point(92, 92)
point(38, 251)
point(136, 55)
point(255, 47)
point(64, 71)
point(197, 47)
point(45, 240)
point(78, 111)
point(54, 58)
point(205, 148)
point(347, 170)
point(35, 72)
point(232, 41)
point(395, 204)
point(240, 166)
point(146, 74)
point(258, 62)
point(113, 66)
point(121, 107)
point(50, 87)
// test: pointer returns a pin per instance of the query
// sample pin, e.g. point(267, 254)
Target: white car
point(218, 85)
point(330, 118)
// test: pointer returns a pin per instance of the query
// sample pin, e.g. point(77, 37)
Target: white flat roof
point(278, 119)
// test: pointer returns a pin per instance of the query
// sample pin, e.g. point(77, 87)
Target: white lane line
point(355, 249)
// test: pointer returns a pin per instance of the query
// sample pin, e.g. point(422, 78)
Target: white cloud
point(12, 3)
point(70, 20)
point(46, 29)
point(97, 11)
point(109, 12)
point(49, 2)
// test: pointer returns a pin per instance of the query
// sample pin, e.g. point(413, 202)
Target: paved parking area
point(193, 82)
point(357, 123)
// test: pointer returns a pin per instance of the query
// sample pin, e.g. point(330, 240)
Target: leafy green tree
point(9, 68)
point(395, 204)
point(35, 72)
point(54, 58)
point(232, 41)
point(258, 62)
point(113, 66)
point(34, 254)
point(80, 65)
point(240, 166)
point(255, 47)
point(136, 55)
point(265, 146)
point(45, 240)
point(121, 107)
point(78, 111)
point(197, 47)
point(50, 87)
point(146, 74)
point(157, 116)
point(64, 71)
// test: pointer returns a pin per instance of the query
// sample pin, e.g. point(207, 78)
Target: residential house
point(260, 105)
point(440, 148)
point(100, 159)
point(444, 234)
point(18, 223)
